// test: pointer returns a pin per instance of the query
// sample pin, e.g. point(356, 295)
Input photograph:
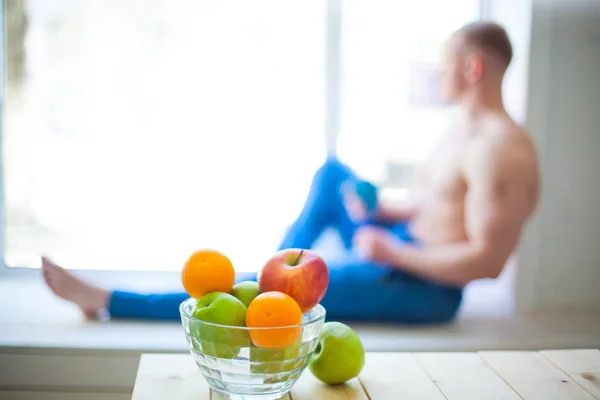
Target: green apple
point(219, 341)
point(245, 291)
point(220, 308)
point(339, 355)
point(275, 360)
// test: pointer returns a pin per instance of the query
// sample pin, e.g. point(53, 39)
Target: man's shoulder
point(501, 136)
point(502, 144)
point(504, 157)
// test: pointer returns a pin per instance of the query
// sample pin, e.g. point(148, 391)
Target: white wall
point(559, 259)
point(515, 16)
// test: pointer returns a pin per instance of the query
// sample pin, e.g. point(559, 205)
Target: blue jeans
point(359, 290)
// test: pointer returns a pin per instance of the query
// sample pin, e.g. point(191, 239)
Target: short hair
point(490, 37)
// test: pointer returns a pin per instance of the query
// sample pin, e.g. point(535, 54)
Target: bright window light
point(143, 130)
point(391, 114)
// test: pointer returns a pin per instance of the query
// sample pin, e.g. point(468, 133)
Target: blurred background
point(136, 131)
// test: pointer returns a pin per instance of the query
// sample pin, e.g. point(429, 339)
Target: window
point(391, 113)
point(135, 132)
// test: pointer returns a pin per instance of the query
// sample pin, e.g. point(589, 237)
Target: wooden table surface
point(544, 375)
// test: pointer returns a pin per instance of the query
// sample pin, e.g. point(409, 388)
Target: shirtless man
point(471, 200)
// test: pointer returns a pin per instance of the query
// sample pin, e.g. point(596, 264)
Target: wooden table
point(545, 375)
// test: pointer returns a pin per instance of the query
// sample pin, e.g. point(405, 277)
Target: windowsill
point(33, 318)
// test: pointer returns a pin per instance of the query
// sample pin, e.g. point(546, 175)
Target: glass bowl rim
point(319, 308)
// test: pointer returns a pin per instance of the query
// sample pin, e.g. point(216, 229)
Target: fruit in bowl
point(245, 291)
point(274, 310)
point(264, 358)
point(301, 274)
point(249, 371)
point(220, 308)
point(254, 338)
point(227, 311)
point(207, 271)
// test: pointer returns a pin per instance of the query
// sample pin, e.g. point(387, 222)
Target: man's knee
point(447, 308)
point(332, 172)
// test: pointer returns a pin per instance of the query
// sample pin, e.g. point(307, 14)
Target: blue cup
point(367, 192)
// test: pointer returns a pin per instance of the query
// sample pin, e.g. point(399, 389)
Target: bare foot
point(90, 299)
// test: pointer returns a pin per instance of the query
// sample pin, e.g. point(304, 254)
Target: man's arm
point(384, 213)
point(502, 190)
point(394, 213)
point(406, 210)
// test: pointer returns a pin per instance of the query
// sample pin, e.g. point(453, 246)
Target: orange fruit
point(270, 310)
point(207, 271)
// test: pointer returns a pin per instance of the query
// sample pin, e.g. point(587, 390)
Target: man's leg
point(89, 298)
point(155, 306)
point(363, 291)
point(323, 208)
point(92, 299)
point(358, 291)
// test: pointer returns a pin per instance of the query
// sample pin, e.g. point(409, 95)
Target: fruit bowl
point(234, 366)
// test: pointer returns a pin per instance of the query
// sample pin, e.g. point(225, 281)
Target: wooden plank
point(310, 388)
point(169, 376)
point(397, 376)
point(464, 376)
point(37, 395)
point(583, 366)
point(534, 377)
point(67, 373)
point(218, 396)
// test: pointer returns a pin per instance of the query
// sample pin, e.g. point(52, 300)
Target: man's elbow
point(493, 272)
point(492, 265)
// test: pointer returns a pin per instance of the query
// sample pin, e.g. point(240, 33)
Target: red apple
point(301, 274)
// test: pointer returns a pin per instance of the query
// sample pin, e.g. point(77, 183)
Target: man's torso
point(441, 187)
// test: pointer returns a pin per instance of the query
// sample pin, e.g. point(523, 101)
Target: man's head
point(476, 55)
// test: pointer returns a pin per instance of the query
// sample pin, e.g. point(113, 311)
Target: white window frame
point(331, 130)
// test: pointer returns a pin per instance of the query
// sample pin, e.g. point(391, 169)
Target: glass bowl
point(235, 367)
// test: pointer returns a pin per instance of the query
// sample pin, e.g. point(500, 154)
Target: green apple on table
point(339, 355)
point(245, 291)
point(219, 341)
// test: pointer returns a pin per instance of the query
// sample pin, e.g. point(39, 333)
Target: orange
point(207, 271)
point(270, 310)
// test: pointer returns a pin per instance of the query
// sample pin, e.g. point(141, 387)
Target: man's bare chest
point(442, 175)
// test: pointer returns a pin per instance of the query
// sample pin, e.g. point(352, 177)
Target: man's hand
point(354, 207)
point(376, 244)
